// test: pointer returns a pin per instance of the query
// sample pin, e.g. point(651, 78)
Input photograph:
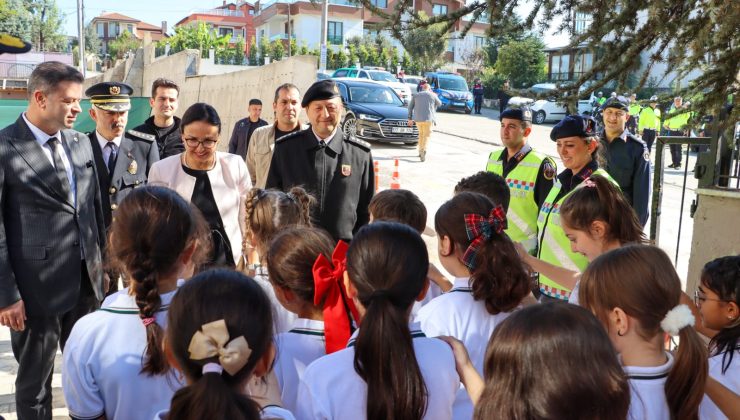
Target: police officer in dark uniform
point(122, 158)
point(337, 170)
point(627, 157)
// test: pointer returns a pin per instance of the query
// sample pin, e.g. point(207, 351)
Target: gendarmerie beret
point(618, 102)
point(110, 96)
point(574, 126)
point(521, 114)
point(319, 91)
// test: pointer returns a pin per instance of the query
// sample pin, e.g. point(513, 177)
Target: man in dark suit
point(51, 231)
point(243, 129)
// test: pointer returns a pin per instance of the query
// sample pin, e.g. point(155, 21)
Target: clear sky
point(155, 11)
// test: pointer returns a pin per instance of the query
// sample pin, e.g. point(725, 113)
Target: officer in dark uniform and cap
point(627, 157)
point(122, 158)
point(337, 170)
point(528, 173)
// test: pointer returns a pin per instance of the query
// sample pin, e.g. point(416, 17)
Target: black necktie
point(59, 165)
point(111, 157)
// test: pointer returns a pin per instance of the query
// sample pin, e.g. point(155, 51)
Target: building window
point(582, 22)
point(380, 4)
point(113, 29)
point(479, 41)
point(583, 63)
point(439, 9)
point(130, 28)
point(226, 31)
point(335, 33)
point(251, 12)
point(560, 67)
point(101, 30)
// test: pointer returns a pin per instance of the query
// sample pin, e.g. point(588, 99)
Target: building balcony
point(220, 12)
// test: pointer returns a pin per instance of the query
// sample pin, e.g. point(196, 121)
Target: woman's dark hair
point(200, 111)
point(641, 280)
point(387, 264)
point(603, 202)
point(269, 211)
point(522, 381)
point(722, 276)
point(291, 257)
point(499, 278)
point(211, 296)
point(152, 228)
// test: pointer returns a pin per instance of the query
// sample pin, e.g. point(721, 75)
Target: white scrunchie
point(676, 319)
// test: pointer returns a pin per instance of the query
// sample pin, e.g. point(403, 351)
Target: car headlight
point(369, 117)
point(468, 96)
point(446, 95)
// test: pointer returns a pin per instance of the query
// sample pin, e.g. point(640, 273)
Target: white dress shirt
point(42, 139)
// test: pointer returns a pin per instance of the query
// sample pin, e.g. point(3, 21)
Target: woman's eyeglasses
point(699, 298)
point(208, 144)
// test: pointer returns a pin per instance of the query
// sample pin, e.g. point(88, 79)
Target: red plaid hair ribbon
point(480, 229)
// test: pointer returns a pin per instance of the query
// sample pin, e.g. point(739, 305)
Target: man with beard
point(287, 107)
point(164, 125)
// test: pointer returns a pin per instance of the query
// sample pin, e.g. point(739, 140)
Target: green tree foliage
point(198, 36)
point(304, 49)
point(46, 25)
point(123, 44)
point(15, 19)
point(523, 62)
point(293, 47)
point(92, 42)
point(239, 50)
point(340, 59)
point(265, 50)
point(278, 50)
point(426, 43)
point(253, 53)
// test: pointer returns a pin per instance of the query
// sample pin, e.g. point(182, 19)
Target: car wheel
point(539, 117)
point(350, 126)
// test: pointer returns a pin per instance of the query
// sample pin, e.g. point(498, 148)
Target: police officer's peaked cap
point(319, 91)
point(654, 98)
point(619, 102)
point(13, 45)
point(574, 126)
point(110, 96)
point(521, 114)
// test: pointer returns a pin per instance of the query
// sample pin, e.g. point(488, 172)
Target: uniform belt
point(554, 292)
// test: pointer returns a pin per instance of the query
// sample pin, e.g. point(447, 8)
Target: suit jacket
point(135, 157)
point(239, 143)
point(41, 231)
point(260, 154)
point(230, 184)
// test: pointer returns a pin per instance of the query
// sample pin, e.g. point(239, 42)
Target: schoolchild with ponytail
point(718, 298)
point(490, 279)
point(267, 213)
point(390, 369)
point(306, 272)
point(636, 294)
point(113, 363)
point(220, 339)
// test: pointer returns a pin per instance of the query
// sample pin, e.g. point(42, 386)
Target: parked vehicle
point(377, 75)
point(452, 91)
point(320, 75)
point(375, 112)
point(549, 109)
point(411, 81)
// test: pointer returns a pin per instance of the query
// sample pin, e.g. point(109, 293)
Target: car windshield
point(381, 76)
point(453, 84)
point(374, 95)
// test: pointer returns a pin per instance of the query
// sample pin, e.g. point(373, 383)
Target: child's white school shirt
point(282, 318)
point(647, 391)
point(103, 359)
point(332, 389)
point(296, 349)
point(432, 293)
point(708, 410)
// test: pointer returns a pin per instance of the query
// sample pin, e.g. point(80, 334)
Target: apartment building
point(233, 19)
point(110, 25)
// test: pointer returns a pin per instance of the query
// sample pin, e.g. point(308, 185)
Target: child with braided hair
point(267, 213)
point(114, 366)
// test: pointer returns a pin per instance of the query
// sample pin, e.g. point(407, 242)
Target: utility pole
point(324, 24)
point(290, 37)
point(81, 36)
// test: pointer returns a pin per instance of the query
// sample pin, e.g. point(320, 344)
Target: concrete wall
point(716, 231)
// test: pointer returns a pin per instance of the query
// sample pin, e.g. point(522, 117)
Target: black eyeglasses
point(208, 144)
point(699, 298)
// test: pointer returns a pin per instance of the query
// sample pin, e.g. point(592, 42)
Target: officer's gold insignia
point(549, 171)
point(133, 167)
point(346, 170)
point(115, 90)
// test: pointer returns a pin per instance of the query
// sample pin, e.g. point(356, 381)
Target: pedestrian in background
point(675, 125)
point(649, 122)
point(421, 112)
point(243, 129)
point(478, 95)
point(503, 97)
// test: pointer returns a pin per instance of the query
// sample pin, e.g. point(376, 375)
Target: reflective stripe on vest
point(522, 213)
point(554, 245)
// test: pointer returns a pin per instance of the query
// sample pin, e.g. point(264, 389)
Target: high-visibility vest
point(523, 208)
point(554, 245)
point(634, 110)
point(679, 121)
point(649, 119)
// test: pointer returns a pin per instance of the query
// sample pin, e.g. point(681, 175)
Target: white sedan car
point(544, 110)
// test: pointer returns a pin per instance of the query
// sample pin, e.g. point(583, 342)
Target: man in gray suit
point(51, 231)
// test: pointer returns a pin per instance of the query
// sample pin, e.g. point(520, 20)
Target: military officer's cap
point(110, 96)
point(521, 114)
point(574, 126)
point(13, 45)
point(618, 102)
point(319, 91)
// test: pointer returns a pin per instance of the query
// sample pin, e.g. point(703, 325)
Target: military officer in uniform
point(627, 157)
point(337, 170)
point(122, 158)
point(528, 173)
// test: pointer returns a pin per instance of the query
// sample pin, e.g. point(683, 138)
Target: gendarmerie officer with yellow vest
point(528, 173)
point(649, 123)
point(122, 158)
point(578, 147)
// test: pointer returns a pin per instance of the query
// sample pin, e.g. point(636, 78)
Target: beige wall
point(716, 230)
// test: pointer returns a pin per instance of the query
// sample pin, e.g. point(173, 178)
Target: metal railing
point(16, 70)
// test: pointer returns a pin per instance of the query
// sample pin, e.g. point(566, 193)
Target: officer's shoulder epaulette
point(289, 136)
point(636, 139)
point(362, 143)
point(140, 135)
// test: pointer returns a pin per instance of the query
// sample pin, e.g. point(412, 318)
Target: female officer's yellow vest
point(523, 209)
point(554, 245)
